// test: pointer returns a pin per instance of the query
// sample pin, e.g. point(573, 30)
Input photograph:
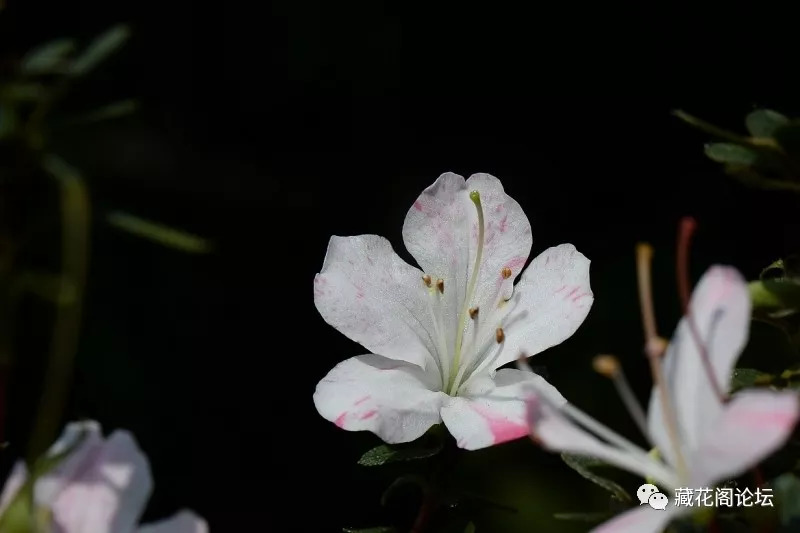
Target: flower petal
point(367, 292)
point(754, 424)
point(720, 310)
point(182, 522)
point(84, 441)
point(554, 431)
point(14, 482)
point(493, 411)
point(643, 519)
point(550, 302)
point(441, 232)
point(110, 491)
point(395, 400)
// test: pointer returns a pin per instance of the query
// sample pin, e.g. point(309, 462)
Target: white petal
point(753, 425)
point(441, 232)
point(550, 302)
point(367, 292)
point(14, 482)
point(492, 411)
point(643, 519)
point(109, 494)
point(395, 400)
point(720, 309)
point(182, 522)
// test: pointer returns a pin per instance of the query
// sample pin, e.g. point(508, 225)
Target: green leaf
point(8, 121)
point(774, 295)
point(764, 122)
point(582, 465)
point(788, 137)
point(388, 453)
point(47, 58)
point(371, 530)
point(100, 49)
point(775, 270)
point(107, 112)
point(787, 497)
point(470, 528)
point(749, 377)
point(730, 153)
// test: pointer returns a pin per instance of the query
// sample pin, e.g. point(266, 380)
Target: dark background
point(267, 128)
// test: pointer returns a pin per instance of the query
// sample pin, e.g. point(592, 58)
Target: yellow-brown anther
point(473, 312)
point(606, 365)
point(506, 272)
point(440, 285)
point(499, 335)
point(427, 280)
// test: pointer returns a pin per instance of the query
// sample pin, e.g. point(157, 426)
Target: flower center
point(467, 355)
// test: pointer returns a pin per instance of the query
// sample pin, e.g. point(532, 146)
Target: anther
point(473, 312)
point(506, 272)
point(440, 285)
point(606, 365)
point(427, 280)
point(499, 335)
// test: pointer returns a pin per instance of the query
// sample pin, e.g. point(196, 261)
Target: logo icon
point(649, 494)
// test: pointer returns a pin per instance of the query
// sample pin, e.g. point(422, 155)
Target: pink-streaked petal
point(643, 519)
point(109, 494)
point(395, 400)
point(182, 522)
point(754, 424)
point(366, 291)
point(493, 411)
point(550, 302)
point(14, 482)
point(441, 232)
point(720, 310)
point(85, 440)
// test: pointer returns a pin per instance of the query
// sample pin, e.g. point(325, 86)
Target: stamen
point(608, 366)
point(476, 199)
point(644, 258)
point(440, 285)
point(688, 225)
point(473, 312)
point(465, 368)
point(427, 280)
point(506, 272)
point(434, 308)
point(499, 335)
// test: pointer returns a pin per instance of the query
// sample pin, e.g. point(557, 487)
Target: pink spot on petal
point(504, 224)
point(369, 414)
point(417, 206)
point(561, 289)
point(362, 400)
point(516, 263)
point(340, 420)
point(359, 293)
point(573, 291)
point(501, 428)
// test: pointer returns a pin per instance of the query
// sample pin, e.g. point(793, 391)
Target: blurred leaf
point(159, 233)
point(775, 295)
point(582, 465)
point(8, 121)
point(749, 377)
point(108, 112)
point(470, 528)
point(775, 270)
point(402, 481)
point(47, 58)
point(390, 453)
point(592, 518)
point(371, 530)
point(53, 288)
point(764, 122)
point(731, 154)
point(23, 92)
point(100, 49)
point(788, 137)
point(786, 489)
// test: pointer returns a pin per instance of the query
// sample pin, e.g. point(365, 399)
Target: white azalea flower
point(102, 486)
point(703, 440)
point(438, 335)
